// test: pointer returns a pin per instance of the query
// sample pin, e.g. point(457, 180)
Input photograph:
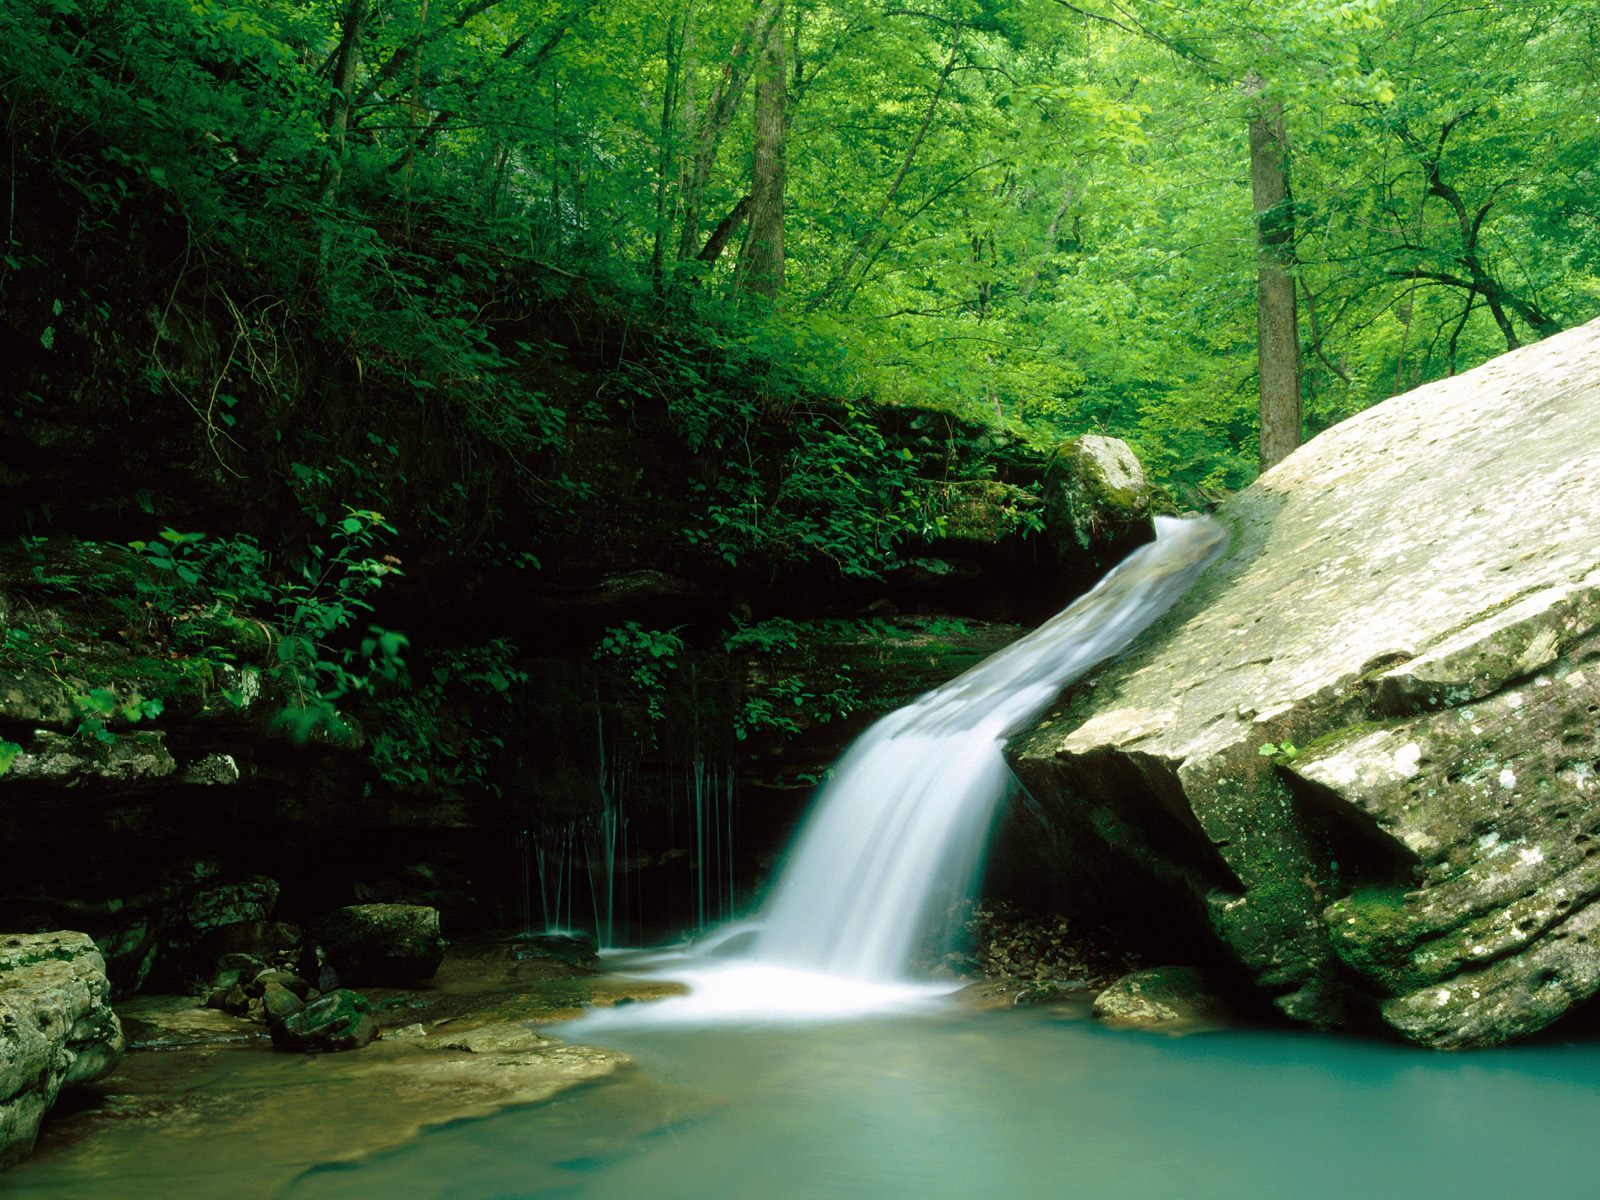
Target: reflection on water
point(1021, 1105)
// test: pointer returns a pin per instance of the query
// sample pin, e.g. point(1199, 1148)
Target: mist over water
point(897, 835)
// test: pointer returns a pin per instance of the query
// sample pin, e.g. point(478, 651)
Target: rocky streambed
point(207, 1089)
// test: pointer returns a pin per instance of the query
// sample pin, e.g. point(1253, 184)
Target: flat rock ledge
point(1362, 754)
point(56, 1029)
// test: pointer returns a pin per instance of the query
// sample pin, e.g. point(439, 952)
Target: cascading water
point(898, 832)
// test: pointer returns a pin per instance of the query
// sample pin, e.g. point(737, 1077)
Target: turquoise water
point(1021, 1105)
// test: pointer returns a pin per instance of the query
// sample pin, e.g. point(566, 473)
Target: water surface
point(1021, 1105)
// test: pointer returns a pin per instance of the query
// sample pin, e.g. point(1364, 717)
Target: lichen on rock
point(56, 1029)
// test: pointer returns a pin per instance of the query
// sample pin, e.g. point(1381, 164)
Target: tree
point(1277, 321)
point(761, 259)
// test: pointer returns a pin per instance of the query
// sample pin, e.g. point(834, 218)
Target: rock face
point(55, 1029)
point(1362, 754)
point(383, 943)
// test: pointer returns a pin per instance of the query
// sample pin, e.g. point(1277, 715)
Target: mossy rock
point(1097, 499)
point(341, 1020)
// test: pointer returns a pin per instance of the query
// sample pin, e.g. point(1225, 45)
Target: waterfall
point(897, 834)
point(898, 831)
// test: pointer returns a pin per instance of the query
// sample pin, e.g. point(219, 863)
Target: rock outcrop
point(1097, 500)
point(56, 1029)
point(1362, 754)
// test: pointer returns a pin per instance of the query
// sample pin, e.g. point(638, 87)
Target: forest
point(491, 458)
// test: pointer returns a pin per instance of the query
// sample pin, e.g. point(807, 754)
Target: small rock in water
point(579, 949)
point(1161, 997)
point(279, 1003)
point(341, 1020)
point(231, 999)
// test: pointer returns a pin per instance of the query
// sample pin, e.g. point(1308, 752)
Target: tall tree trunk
point(719, 112)
point(667, 147)
point(339, 105)
point(1277, 323)
point(760, 270)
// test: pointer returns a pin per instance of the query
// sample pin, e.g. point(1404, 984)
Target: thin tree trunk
point(667, 147)
point(723, 233)
point(339, 104)
point(1277, 323)
point(871, 230)
point(760, 270)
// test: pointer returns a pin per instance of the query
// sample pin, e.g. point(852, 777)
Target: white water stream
point(897, 834)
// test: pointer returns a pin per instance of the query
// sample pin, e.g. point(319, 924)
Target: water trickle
point(898, 832)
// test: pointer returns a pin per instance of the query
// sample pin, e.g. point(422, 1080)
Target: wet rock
point(395, 944)
point(578, 949)
point(341, 1020)
point(278, 1003)
point(65, 760)
point(1161, 996)
point(233, 1000)
point(1363, 749)
point(500, 1038)
point(236, 969)
point(56, 1029)
point(283, 979)
point(210, 770)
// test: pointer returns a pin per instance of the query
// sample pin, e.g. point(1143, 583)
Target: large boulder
point(396, 944)
point(1362, 754)
point(56, 1029)
point(1097, 500)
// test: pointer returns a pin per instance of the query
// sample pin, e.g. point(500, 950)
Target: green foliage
point(1279, 751)
point(438, 733)
point(646, 656)
point(8, 754)
point(315, 663)
point(791, 697)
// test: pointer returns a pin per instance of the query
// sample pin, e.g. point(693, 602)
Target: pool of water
point(1019, 1105)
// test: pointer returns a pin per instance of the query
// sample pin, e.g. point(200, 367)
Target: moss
point(1338, 737)
point(1372, 933)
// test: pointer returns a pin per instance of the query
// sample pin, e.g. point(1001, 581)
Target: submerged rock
point(383, 943)
point(1161, 996)
point(56, 1029)
point(1362, 754)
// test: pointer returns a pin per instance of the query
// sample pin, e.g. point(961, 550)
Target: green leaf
point(8, 755)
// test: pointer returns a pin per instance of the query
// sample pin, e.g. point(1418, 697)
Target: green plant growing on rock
point(185, 575)
point(784, 702)
point(647, 656)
